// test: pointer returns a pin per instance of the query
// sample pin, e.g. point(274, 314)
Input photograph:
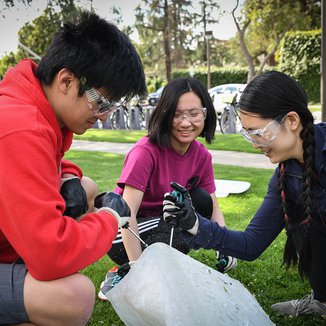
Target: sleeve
point(68, 167)
point(249, 244)
point(137, 169)
point(51, 245)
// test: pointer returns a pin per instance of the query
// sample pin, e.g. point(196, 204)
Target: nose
point(185, 117)
point(103, 117)
point(254, 145)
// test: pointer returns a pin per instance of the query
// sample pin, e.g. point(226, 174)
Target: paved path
point(219, 157)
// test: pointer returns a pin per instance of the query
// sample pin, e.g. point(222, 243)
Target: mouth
point(185, 132)
point(266, 151)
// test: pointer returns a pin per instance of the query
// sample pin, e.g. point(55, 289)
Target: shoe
point(225, 263)
point(111, 280)
point(306, 305)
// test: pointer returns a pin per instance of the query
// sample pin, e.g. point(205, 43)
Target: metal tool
point(126, 226)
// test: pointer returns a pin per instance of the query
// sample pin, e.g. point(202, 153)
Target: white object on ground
point(166, 287)
point(226, 187)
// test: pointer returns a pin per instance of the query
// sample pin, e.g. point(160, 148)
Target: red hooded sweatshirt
point(32, 225)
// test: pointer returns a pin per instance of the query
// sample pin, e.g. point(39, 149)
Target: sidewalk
point(219, 157)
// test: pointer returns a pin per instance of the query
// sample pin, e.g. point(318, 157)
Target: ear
point(66, 79)
point(292, 120)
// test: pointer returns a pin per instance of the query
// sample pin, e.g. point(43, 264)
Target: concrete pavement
point(219, 157)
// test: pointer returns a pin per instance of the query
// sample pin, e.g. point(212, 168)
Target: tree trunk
point(166, 37)
point(249, 58)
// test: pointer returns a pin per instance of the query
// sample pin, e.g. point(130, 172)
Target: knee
point(80, 296)
point(66, 301)
point(91, 191)
point(202, 201)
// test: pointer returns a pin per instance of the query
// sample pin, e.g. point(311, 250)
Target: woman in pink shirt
point(170, 152)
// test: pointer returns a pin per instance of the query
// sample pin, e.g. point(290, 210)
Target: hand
point(225, 263)
point(114, 204)
point(75, 197)
point(180, 213)
point(125, 268)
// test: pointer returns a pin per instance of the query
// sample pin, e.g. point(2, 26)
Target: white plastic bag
point(166, 287)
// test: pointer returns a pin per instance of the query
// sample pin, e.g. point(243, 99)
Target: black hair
point(98, 53)
point(269, 95)
point(160, 123)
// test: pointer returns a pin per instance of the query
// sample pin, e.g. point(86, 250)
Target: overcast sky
point(16, 17)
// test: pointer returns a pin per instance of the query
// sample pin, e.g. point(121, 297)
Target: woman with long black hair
point(275, 118)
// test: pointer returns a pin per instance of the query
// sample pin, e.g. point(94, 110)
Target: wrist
point(194, 229)
point(111, 211)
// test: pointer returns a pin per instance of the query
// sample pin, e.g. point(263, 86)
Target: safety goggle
point(99, 104)
point(193, 115)
point(265, 136)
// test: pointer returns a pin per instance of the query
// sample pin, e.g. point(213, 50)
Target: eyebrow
point(190, 108)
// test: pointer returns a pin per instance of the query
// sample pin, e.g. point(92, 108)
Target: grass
point(314, 107)
point(264, 277)
point(228, 142)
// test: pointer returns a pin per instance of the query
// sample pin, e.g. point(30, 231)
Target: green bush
point(299, 56)
point(154, 83)
point(218, 75)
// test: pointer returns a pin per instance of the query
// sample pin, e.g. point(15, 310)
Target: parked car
point(222, 94)
point(153, 98)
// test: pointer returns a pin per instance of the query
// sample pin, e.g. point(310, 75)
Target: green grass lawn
point(228, 142)
point(314, 107)
point(264, 277)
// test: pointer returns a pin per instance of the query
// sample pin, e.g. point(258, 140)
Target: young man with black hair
point(89, 66)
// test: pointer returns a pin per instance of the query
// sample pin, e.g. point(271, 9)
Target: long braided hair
point(269, 95)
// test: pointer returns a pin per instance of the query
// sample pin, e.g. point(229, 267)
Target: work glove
point(125, 268)
point(178, 209)
point(75, 197)
point(225, 263)
point(115, 204)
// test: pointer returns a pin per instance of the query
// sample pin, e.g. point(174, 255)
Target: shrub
point(218, 75)
point(299, 56)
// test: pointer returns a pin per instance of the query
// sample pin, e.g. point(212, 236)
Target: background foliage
point(299, 57)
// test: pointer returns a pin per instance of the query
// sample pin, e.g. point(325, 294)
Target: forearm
point(217, 215)
point(246, 245)
point(130, 242)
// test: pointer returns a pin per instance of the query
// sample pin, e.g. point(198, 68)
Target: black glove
point(75, 197)
point(178, 210)
point(115, 204)
point(125, 268)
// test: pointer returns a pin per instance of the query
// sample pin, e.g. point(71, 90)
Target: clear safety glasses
point(265, 136)
point(99, 104)
point(193, 115)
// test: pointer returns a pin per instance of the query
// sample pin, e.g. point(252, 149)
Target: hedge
point(218, 75)
point(299, 56)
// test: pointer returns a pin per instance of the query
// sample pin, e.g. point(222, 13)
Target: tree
point(267, 22)
point(158, 24)
point(168, 32)
point(36, 36)
point(41, 28)
point(210, 14)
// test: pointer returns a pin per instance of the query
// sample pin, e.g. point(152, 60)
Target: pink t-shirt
point(150, 169)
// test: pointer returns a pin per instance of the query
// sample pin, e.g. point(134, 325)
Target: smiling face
point(286, 142)
point(188, 122)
